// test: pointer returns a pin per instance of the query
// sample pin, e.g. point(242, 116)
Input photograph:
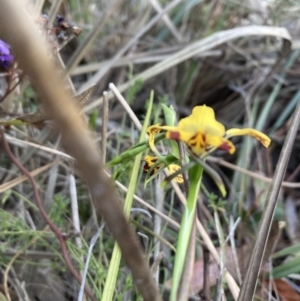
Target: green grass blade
point(295, 249)
point(287, 268)
point(213, 174)
point(110, 283)
point(133, 151)
point(286, 112)
point(270, 102)
point(7, 122)
point(195, 175)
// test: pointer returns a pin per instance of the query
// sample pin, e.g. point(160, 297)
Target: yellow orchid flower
point(152, 131)
point(202, 132)
point(174, 168)
point(150, 161)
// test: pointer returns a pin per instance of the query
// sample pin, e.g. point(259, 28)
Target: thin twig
point(54, 10)
point(42, 137)
point(88, 258)
point(250, 173)
point(11, 89)
point(187, 273)
point(206, 284)
point(159, 201)
point(50, 190)
point(139, 58)
point(75, 211)
point(126, 106)
point(234, 251)
point(205, 256)
point(104, 127)
point(76, 220)
point(10, 184)
point(23, 143)
point(167, 20)
point(220, 290)
point(144, 203)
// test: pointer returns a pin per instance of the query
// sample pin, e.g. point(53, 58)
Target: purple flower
point(5, 57)
point(59, 19)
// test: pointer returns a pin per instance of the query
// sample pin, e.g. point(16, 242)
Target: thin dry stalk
point(187, 273)
point(75, 214)
point(140, 58)
point(126, 106)
point(144, 203)
point(88, 258)
point(251, 173)
point(159, 205)
point(230, 237)
point(167, 20)
point(51, 187)
point(42, 137)
point(104, 127)
point(253, 267)
point(9, 185)
point(54, 10)
point(24, 144)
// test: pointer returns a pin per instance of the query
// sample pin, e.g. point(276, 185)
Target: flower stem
point(195, 176)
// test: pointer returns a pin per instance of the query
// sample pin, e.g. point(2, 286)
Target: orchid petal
point(221, 143)
point(149, 161)
point(202, 119)
point(174, 168)
point(155, 129)
point(152, 131)
point(261, 137)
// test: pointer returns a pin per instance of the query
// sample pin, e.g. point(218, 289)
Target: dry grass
point(240, 59)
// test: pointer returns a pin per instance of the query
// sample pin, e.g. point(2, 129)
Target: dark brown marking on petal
point(203, 137)
point(225, 146)
point(180, 178)
point(193, 141)
point(174, 135)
